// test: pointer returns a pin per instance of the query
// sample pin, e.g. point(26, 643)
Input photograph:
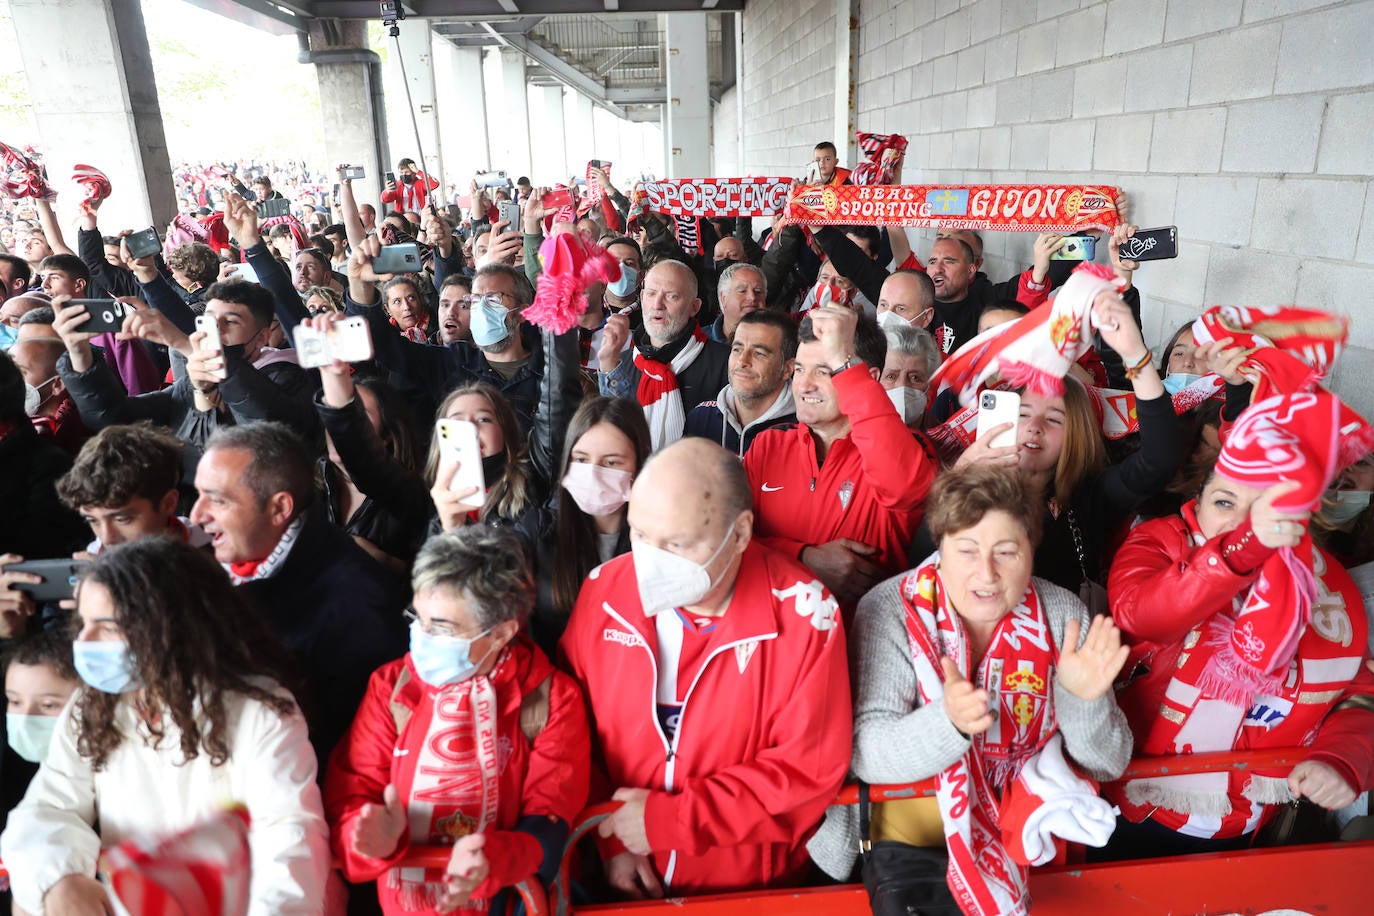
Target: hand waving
point(1088, 671)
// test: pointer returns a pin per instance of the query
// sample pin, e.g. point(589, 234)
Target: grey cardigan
point(898, 740)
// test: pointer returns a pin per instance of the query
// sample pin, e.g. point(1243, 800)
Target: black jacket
point(437, 370)
point(33, 521)
point(339, 615)
point(396, 506)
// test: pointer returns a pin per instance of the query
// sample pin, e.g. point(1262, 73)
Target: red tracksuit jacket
point(764, 733)
point(871, 488)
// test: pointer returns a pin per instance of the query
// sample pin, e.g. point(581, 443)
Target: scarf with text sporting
point(1212, 702)
point(1018, 670)
point(881, 152)
point(1004, 207)
point(711, 197)
point(449, 777)
point(658, 390)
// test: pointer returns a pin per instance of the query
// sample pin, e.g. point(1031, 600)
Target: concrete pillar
point(689, 100)
point(352, 104)
point(462, 99)
point(846, 75)
point(510, 136)
point(417, 58)
point(580, 130)
point(90, 77)
point(552, 160)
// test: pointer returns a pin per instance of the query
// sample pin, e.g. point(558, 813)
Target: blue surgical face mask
point(443, 660)
point(105, 665)
point(626, 285)
point(487, 322)
point(1348, 504)
point(30, 735)
point(1175, 382)
point(8, 336)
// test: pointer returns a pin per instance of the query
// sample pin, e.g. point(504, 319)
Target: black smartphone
point(390, 177)
point(1151, 244)
point(106, 314)
point(59, 578)
point(595, 163)
point(277, 206)
point(352, 172)
point(143, 244)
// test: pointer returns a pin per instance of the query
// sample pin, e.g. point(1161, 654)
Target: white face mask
point(668, 581)
point(910, 403)
point(1349, 503)
point(33, 397)
point(597, 490)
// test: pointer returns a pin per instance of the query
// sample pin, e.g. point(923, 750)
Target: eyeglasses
point(438, 628)
point(489, 298)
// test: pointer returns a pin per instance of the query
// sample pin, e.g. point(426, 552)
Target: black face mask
point(408, 179)
point(493, 466)
point(722, 265)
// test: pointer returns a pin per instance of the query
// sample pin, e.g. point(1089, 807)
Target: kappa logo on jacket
point(610, 634)
point(811, 601)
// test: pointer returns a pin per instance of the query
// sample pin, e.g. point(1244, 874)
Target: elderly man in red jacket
point(715, 674)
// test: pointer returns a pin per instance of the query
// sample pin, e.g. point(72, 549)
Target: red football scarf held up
point(1005, 207)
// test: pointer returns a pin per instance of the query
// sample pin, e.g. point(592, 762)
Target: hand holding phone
point(1076, 248)
point(351, 172)
point(397, 259)
point(59, 578)
point(277, 206)
point(106, 315)
point(460, 456)
point(509, 213)
point(209, 326)
point(1151, 244)
point(347, 339)
point(997, 408)
point(143, 244)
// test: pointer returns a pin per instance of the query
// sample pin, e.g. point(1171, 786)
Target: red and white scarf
point(96, 183)
point(658, 391)
point(450, 779)
point(1316, 338)
point(21, 176)
point(1036, 350)
point(977, 793)
point(880, 157)
point(252, 570)
point(205, 869)
point(1212, 704)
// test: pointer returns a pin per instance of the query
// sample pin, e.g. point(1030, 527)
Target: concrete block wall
point(789, 87)
point(1246, 123)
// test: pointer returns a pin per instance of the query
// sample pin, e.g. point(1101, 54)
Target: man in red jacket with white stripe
point(844, 489)
point(715, 673)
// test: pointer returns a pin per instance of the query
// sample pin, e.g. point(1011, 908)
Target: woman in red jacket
point(1244, 636)
point(471, 739)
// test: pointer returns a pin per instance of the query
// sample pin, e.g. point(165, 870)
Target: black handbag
point(902, 880)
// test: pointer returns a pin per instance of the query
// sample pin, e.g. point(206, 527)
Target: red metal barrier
point(1249, 881)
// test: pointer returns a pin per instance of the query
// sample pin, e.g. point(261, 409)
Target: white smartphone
point(458, 446)
point(244, 271)
point(209, 325)
point(996, 408)
point(348, 340)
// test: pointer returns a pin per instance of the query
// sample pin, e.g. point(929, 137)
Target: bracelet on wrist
point(1140, 365)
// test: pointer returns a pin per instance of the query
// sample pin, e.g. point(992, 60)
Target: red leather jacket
point(1162, 585)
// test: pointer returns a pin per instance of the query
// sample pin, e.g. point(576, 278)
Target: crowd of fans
point(722, 556)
